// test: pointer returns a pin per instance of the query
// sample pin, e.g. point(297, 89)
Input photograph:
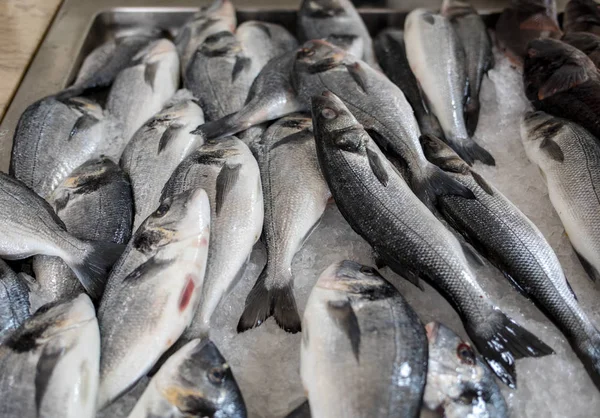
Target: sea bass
point(15, 306)
point(363, 350)
point(582, 16)
point(588, 43)
point(49, 366)
point(381, 208)
point(295, 196)
point(438, 61)
point(149, 309)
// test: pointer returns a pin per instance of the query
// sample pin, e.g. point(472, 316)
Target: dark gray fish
point(459, 383)
point(196, 381)
point(31, 227)
point(582, 16)
point(328, 19)
point(95, 203)
point(391, 53)
point(15, 306)
point(364, 349)
point(588, 43)
point(49, 365)
point(380, 207)
point(473, 36)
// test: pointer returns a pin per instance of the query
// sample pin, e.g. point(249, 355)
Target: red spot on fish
point(203, 242)
point(186, 295)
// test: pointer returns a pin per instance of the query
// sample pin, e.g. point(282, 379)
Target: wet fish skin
point(49, 366)
point(15, 306)
point(582, 16)
point(459, 383)
point(157, 148)
point(587, 43)
point(391, 53)
point(142, 89)
point(31, 227)
point(364, 349)
point(561, 80)
point(439, 63)
point(473, 36)
point(295, 196)
point(321, 19)
point(148, 310)
point(195, 381)
point(408, 237)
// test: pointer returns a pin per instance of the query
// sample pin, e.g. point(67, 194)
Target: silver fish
point(437, 60)
point(157, 148)
point(195, 381)
point(149, 309)
point(380, 206)
point(229, 174)
point(459, 383)
point(295, 196)
point(49, 366)
point(31, 227)
point(15, 306)
point(363, 350)
point(142, 89)
point(122, 407)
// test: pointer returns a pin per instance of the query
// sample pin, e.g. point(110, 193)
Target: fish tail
point(471, 151)
point(93, 267)
point(472, 116)
point(278, 302)
point(501, 341)
point(439, 183)
point(227, 125)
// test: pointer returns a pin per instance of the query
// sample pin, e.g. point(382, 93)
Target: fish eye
point(216, 375)
point(468, 397)
point(162, 209)
point(329, 113)
point(369, 271)
point(466, 354)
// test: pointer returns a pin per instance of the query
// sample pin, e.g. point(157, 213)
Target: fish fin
point(501, 341)
point(92, 270)
point(379, 261)
point(471, 253)
point(377, 167)
point(262, 303)
point(227, 125)
point(165, 356)
point(150, 73)
point(471, 151)
point(563, 79)
point(325, 64)
point(241, 63)
point(358, 74)
point(83, 123)
point(552, 149)
point(301, 411)
point(440, 183)
point(482, 183)
point(51, 355)
point(472, 115)
point(592, 272)
point(345, 318)
point(226, 180)
point(169, 133)
point(407, 274)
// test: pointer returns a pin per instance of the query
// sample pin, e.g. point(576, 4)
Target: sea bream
point(15, 306)
point(295, 195)
point(195, 381)
point(229, 174)
point(380, 207)
point(363, 351)
point(582, 16)
point(587, 43)
point(157, 148)
point(95, 203)
point(149, 309)
point(438, 61)
point(49, 365)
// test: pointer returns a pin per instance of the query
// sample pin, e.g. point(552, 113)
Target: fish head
point(178, 218)
point(221, 10)
point(221, 44)
point(322, 9)
point(581, 14)
point(205, 385)
point(349, 278)
point(419, 17)
point(317, 56)
point(537, 130)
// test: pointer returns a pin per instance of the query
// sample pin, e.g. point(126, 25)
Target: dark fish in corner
point(582, 16)
point(588, 43)
point(380, 207)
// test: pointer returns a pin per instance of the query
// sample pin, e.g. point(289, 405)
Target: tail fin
point(262, 303)
point(227, 125)
point(501, 341)
point(471, 151)
point(589, 354)
point(472, 116)
point(93, 268)
point(439, 183)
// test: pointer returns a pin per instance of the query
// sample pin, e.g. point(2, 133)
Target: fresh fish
point(380, 207)
point(459, 384)
point(95, 203)
point(53, 138)
point(15, 306)
point(122, 407)
point(364, 349)
point(30, 227)
point(195, 381)
point(335, 20)
point(391, 53)
point(295, 196)
point(216, 17)
point(522, 22)
point(587, 43)
point(473, 36)
point(49, 366)
point(229, 174)
point(582, 16)
point(142, 89)
point(501, 232)
point(148, 310)
point(561, 80)
point(157, 148)
point(438, 61)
